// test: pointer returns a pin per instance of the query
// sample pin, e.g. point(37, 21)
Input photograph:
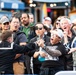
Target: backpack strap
point(73, 41)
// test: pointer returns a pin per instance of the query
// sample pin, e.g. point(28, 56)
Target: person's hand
point(72, 50)
point(65, 37)
point(65, 34)
point(40, 43)
point(36, 54)
point(42, 54)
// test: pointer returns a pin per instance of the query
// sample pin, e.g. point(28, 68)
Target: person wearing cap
point(5, 23)
point(48, 25)
point(48, 22)
point(53, 54)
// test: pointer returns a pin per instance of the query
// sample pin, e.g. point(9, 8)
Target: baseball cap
point(4, 20)
point(59, 32)
point(48, 18)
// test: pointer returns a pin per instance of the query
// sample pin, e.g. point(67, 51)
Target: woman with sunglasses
point(40, 34)
point(5, 23)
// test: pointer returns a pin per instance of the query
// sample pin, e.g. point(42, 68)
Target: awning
point(12, 4)
point(51, 1)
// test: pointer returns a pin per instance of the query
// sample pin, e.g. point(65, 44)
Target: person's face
point(24, 19)
point(65, 25)
point(14, 24)
point(5, 26)
point(57, 24)
point(31, 18)
point(39, 29)
point(54, 38)
point(47, 22)
point(10, 39)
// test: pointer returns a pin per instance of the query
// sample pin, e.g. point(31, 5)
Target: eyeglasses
point(7, 23)
point(36, 28)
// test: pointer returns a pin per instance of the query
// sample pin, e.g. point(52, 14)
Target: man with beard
point(26, 28)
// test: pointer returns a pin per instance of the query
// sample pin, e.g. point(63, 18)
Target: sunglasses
point(7, 23)
point(36, 28)
point(57, 23)
point(58, 20)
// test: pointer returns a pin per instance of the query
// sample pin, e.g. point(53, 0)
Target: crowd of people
point(39, 48)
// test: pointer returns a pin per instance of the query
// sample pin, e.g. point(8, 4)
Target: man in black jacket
point(53, 54)
point(7, 55)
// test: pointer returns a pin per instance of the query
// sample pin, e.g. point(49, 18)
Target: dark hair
point(14, 17)
point(39, 23)
point(45, 27)
point(5, 35)
point(25, 13)
point(72, 29)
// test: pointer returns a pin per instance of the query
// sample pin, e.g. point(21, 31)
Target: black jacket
point(7, 56)
point(46, 39)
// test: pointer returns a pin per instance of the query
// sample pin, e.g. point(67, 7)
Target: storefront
point(54, 8)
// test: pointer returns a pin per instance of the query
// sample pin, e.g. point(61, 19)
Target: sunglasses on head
point(7, 23)
point(36, 28)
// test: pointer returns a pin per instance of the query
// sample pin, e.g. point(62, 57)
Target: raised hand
point(40, 43)
point(72, 50)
